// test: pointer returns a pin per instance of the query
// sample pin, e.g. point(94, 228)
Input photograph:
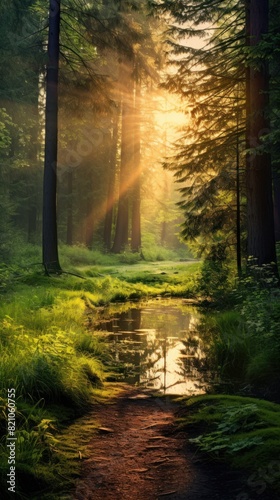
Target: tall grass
point(50, 359)
point(245, 342)
point(230, 344)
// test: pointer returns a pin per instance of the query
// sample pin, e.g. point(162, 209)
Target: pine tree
point(210, 78)
point(210, 161)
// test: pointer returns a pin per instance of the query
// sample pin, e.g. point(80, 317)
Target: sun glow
point(169, 117)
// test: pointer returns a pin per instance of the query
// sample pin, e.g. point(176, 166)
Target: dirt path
point(138, 455)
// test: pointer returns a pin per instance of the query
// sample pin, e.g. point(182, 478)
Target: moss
point(243, 431)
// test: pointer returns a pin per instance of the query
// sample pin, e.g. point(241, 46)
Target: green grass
point(57, 363)
point(125, 282)
point(48, 356)
point(230, 344)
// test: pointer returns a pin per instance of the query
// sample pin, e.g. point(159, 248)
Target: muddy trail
point(139, 454)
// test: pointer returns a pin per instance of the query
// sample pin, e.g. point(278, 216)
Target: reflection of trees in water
point(171, 324)
point(155, 352)
point(125, 347)
point(195, 362)
point(166, 320)
point(145, 353)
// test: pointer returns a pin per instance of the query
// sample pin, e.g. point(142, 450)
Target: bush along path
point(138, 452)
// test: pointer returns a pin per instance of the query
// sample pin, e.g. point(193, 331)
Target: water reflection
point(159, 347)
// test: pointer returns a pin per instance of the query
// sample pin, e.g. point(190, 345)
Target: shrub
point(214, 281)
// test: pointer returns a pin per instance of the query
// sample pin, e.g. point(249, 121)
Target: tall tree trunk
point(136, 191)
point(121, 234)
point(276, 200)
point(50, 249)
point(261, 239)
point(111, 185)
point(163, 231)
point(238, 208)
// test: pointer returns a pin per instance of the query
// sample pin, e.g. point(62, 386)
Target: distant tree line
point(76, 81)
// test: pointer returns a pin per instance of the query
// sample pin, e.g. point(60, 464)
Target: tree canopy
point(119, 62)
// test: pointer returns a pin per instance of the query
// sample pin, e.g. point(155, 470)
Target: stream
point(156, 345)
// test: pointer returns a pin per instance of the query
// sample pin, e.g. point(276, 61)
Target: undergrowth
point(243, 431)
point(245, 345)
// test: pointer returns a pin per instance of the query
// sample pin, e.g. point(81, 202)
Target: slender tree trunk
point(50, 249)
point(163, 232)
point(111, 185)
point(136, 191)
point(261, 239)
point(276, 200)
point(121, 234)
point(238, 221)
point(238, 212)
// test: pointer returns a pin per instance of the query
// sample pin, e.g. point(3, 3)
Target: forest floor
point(127, 446)
point(138, 453)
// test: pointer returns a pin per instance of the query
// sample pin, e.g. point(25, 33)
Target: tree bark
point(276, 200)
point(238, 207)
point(136, 191)
point(111, 186)
point(261, 239)
point(50, 244)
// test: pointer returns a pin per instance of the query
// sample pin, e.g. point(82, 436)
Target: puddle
point(158, 346)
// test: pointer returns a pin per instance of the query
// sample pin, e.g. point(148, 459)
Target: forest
point(139, 249)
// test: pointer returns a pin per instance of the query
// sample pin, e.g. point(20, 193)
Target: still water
point(157, 346)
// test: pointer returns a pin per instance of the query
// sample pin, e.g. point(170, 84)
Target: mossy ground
point(243, 431)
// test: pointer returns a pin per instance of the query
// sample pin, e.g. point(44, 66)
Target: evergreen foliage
point(212, 77)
